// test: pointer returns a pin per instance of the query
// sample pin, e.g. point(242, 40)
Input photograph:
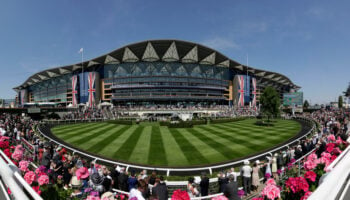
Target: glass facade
point(163, 81)
point(52, 90)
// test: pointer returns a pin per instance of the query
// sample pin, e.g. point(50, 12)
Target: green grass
point(156, 145)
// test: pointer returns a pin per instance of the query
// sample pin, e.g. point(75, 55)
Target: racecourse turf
point(151, 144)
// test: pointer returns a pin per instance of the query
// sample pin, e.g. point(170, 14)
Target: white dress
point(268, 168)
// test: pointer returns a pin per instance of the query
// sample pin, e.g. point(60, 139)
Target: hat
point(96, 179)
point(108, 195)
point(299, 146)
point(75, 182)
point(58, 148)
point(276, 154)
point(82, 173)
point(246, 162)
point(79, 164)
point(257, 161)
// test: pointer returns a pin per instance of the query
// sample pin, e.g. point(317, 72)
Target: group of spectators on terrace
point(85, 177)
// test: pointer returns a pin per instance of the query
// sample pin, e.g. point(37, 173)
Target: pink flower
point(23, 165)
point(29, 177)
point(271, 192)
point(312, 157)
point(331, 137)
point(270, 182)
point(221, 197)
point(336, 151)
point(329, 147)
point(306, 195)
point(180, 195)
point(310, 175)
point(309, 165)
point(17, 155)
point(297, 184)
point(92, 198)
point(258, 198)
point(339, 141)
point(36, 189)
point(43, 179)
point(122, 197)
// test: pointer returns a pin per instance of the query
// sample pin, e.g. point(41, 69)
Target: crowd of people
point(85, 178)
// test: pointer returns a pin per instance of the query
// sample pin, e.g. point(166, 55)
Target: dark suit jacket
point(204, 184)
point(231, 191)
point(123, 182)
point(160, 191)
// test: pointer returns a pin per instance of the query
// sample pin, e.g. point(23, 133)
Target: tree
point(270, 102)
point(340, 102)
point(306, 104)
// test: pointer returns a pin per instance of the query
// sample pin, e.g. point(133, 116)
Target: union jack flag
point(23, 93)
point(240, 91)
point(74, 90)
point(91, 90)
point(254, 92)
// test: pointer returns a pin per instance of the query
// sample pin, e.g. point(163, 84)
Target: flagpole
point(247, 76)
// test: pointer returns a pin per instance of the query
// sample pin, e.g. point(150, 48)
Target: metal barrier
point(168, 170)
point(11, 178)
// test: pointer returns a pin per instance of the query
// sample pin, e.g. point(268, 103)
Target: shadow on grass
point(265, 123)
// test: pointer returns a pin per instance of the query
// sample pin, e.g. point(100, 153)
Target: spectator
point(231, 189)
point(204, 184)
point(160, 189)
point(246, 174)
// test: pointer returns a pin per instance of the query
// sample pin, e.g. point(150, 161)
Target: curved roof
point(167, 51)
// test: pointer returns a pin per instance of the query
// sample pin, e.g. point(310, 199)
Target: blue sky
point(308, 41)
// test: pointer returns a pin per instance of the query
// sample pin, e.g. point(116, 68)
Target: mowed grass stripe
point(232, 136)
point(175, 156)
point(191, 152)
point(93, 134)
point(236, 148)
point(262, 134)
point(225, 151)
point(79, 128)
point(108, 140)
point(156, 155)
point(61, 128)
point(87, 145)
point(117, 142)
point(127, 148)
point(141, 150)
point(80, 132)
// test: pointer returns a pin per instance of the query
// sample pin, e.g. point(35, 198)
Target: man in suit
point(204, 184)
point(231, 189)
point(123, 180)
point(160, 190)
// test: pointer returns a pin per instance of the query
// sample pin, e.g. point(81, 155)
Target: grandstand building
point(156, 72)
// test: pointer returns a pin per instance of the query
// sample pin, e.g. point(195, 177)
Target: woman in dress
point(255, 176)
point(191, 189)
point(268, 172)
point(274, 166)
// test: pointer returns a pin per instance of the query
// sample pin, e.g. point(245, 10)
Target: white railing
point(168, 170)
point(336, 182)
point(11, 178)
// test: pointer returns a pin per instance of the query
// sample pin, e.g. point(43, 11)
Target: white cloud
point(220, 43)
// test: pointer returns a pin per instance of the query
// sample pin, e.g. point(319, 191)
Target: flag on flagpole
point(81, 50)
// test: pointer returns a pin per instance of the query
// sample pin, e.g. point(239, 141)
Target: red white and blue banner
point(23, 97)
point(91, 89)
point(254, 92)
point(74, 90)
point(240, 91)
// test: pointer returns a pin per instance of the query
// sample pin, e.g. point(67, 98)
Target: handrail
point(168, 170)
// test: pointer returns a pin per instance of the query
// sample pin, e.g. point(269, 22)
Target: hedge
point(183, 124)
